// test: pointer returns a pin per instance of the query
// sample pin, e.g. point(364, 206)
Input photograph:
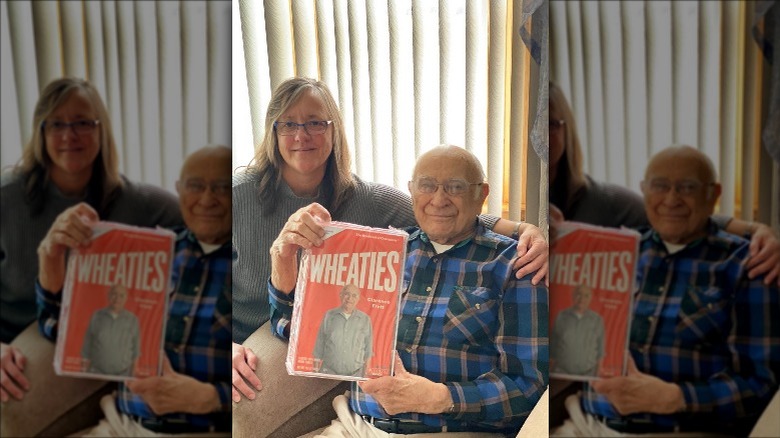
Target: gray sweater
point(20, 234)
point(373, 205)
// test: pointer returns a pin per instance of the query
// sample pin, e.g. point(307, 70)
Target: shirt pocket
point(220, 328)
point(471, 316)
point(704, 316)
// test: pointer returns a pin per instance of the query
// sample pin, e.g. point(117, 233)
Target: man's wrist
point(516, 232)
point(677, 402)
point(447, 404)
point(211, 403)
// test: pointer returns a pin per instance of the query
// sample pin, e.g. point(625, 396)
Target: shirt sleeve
point(600, 339)
point(368, 347)
point(489, 221)
point(752, 379)
point(281, 311)
point(48, 304)
point(86, 347)
point(722, 221)
point(136, 338)
point(318, 344)
point(513, 387)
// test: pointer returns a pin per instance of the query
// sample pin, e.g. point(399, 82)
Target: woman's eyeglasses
point(556, 124)
point(79, 126)
point(312, 127)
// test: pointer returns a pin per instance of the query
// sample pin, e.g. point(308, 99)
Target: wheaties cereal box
point(347, 303)
point(593, 272)
point(114, 304)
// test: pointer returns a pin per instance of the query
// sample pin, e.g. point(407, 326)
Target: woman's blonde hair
point(570, 176)
point(35, 164)
point(338, 182)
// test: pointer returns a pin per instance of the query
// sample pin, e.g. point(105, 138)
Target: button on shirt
point(492, 357)
point(700, 322)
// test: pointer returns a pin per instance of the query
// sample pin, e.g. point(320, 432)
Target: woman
point(303, 159)
point(71, 159)
point(579, 197)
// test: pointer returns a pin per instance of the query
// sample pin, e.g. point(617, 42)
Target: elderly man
point(577, 339)
point(345, 340)
point(113, 339)
point(472, 339)
point(192, 396)
point(705, 337)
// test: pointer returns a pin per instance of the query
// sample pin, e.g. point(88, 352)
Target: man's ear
point(714, 192)
point(484, 191)
point(178, 187)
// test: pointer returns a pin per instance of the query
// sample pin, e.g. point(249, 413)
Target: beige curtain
point(162, 67)
point(408, 75)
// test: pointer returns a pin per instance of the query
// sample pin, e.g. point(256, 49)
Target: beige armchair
point(54, 405)
point(768, 425)
point(287, 406)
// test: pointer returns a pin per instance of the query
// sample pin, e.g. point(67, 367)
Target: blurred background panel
point(642, 75)
point(408, 75)
point(162, 67)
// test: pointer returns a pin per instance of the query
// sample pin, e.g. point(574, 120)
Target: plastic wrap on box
point(114, 304)
point(592, 285)
point(347, 304)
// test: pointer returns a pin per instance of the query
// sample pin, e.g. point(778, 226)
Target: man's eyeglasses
point(79, 126)
point(453, 187)
point(197, 187)
point(312, 127)
point(556, 124)
point(662, 186)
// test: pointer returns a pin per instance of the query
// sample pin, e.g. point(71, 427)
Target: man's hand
point(244, 366)
point(176, 392)
point(12, 380)
point(302, 230)
point(764, 254)
point(640, 392)
point(407, 392)
point(71, 229)
point(533, 253)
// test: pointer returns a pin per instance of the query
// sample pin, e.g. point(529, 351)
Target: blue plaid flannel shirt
point(700, 322)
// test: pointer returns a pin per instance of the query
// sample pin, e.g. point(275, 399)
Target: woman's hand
point(302, 230)
point(70, 230)
point(533, 254)
point(12, 380)
point(244, 366)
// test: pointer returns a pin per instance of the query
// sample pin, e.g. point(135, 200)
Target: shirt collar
point(712, 230)
point(478, 236)
point(184, 233)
